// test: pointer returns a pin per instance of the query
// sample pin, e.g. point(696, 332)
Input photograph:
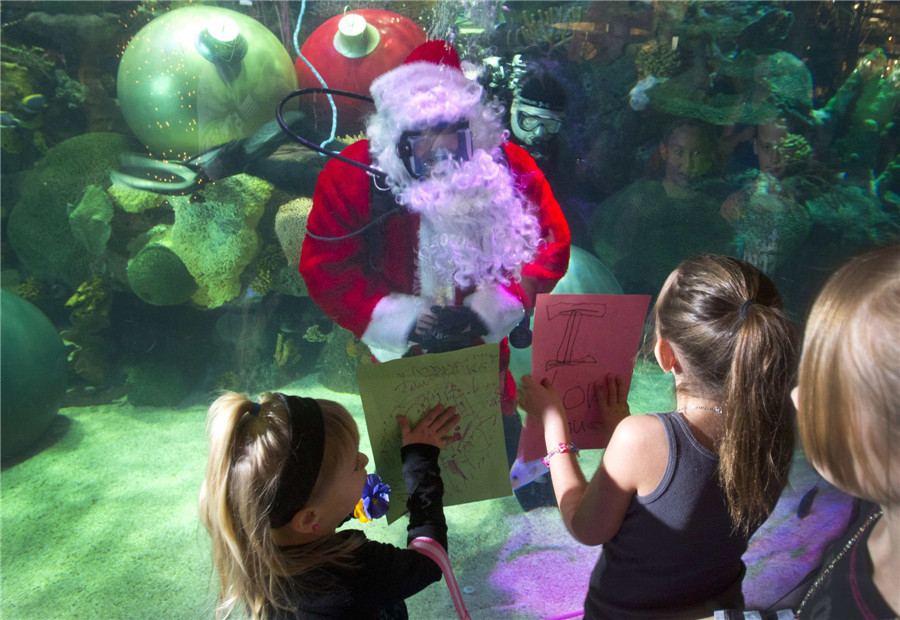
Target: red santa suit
point(366, 274)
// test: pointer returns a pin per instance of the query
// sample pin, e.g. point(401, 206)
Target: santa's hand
point(447, 329)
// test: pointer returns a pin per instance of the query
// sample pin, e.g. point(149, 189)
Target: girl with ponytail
point(283, 475)
point(678, 494)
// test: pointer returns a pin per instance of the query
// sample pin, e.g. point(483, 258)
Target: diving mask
point(531, 123)
point(422, 150)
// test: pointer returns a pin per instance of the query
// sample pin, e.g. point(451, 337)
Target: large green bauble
point(199, 76)
point(32, 373)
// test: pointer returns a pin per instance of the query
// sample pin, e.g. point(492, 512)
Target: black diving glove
point(448, 328)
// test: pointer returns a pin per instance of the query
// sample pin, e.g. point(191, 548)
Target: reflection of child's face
point(766, 146)
point(688, 156)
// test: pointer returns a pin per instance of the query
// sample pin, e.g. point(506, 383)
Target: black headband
point(301, 469)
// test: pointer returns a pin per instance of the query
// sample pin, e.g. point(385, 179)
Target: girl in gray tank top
point(678, 495)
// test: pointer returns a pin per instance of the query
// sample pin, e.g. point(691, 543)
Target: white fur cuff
point(387, 334)
point(498, 309)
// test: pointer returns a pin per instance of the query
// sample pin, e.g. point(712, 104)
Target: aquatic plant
point(660, 61)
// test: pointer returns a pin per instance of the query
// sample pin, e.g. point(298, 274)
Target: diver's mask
point(534, 123)
point(423, 150)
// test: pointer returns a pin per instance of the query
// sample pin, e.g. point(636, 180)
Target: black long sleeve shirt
point(385, 574)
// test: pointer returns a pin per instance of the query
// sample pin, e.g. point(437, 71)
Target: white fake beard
point(475, 225)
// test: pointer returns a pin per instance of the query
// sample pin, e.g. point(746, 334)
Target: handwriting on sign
point(474, 467)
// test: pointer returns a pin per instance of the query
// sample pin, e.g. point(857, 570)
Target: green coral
point(90, 220)
point(661, 61)
point(133, 200)
point(38, 226)
point(157, 275)
point(215, 236)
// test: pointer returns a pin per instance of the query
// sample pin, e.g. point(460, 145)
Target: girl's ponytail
point(756, 447)
point(737, 348)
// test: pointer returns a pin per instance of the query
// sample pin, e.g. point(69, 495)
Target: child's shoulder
point(640, 432)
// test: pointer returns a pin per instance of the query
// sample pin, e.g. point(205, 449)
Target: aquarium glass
point(156, 182)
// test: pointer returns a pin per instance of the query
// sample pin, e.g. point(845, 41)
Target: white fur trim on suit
point(387, 334)
point(497, 308)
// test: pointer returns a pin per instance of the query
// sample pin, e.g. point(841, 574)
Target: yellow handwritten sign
point(473, 468)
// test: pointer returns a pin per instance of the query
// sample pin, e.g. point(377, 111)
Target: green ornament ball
point(200, 76)
point(32, 374)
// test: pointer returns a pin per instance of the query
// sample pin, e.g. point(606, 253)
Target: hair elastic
point(254, 410)
point(746, 305)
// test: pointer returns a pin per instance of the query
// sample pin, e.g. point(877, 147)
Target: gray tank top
point(676, 548)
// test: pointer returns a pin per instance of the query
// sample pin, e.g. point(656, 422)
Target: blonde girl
point(848, 406)
point(283, 474)
point(677, 495)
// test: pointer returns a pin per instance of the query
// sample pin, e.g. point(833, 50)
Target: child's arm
point(592, 512)
point(421, 474)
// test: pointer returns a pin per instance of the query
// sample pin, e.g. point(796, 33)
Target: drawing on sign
point(574, 313)
point(462, 458)
point(473, 468)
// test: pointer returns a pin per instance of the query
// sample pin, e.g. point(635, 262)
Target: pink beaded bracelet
point(560, 448)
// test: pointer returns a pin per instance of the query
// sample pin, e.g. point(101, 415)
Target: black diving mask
point(422, 150)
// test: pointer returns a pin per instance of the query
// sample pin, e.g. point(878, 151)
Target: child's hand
point(539, 400)
point(435, 429)
point(612, 405)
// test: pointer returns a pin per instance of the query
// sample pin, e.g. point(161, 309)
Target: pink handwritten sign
point(578, 340)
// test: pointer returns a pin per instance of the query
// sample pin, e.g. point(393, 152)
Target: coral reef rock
point(215, 236)
point(39, 227)
point(157, 275)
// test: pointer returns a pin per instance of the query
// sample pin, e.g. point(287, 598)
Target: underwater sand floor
point(103, 525)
